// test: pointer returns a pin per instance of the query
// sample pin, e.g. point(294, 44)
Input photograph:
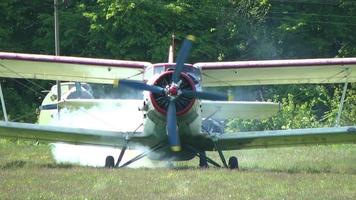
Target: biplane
point(179, 119)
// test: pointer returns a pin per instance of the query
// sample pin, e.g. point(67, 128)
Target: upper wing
point(330, 70)
point(238, 109)
point(31, 66)
point(279, 138)
point(133, 104)
point(73, 135)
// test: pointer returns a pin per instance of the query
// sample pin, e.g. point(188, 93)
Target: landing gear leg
point(233, 162)
point(222, 157)
point(122, 152)
point(144, 154)
point(110, 161)
point(203, 159)
point(203, 163)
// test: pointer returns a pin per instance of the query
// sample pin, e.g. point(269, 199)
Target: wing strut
point(342, 100)
point(3, 104)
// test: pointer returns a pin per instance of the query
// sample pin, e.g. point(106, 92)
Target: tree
point(225, 30)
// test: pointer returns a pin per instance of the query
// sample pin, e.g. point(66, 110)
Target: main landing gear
point(110, 162)
point(213, 127)
point(204, 159)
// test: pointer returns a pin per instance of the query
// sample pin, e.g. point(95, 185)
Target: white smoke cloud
point(88, 155)
point(106, 117)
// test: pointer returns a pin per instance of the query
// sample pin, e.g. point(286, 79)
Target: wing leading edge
point(32, 66)
point(266, 72)
point(72, 135)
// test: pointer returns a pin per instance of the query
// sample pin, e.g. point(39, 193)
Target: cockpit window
point(192, 71)
point(159, 69)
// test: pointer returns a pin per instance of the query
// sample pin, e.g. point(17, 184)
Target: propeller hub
point(172, 90)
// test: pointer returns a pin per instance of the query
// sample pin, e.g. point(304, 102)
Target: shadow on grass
point(58, 166)
point(14, 164)
point(21, 164)
point(309, 170)
point(295, 170)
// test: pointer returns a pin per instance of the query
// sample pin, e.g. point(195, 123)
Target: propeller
point(182, 57)
point(141, 86)
point(204, 95)
point(172, 91)
point(173, 136)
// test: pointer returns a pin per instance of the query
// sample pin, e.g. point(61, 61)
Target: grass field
point(28, 171)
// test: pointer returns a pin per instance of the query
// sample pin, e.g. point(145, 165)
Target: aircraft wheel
point(109, 162)
point(233, 163)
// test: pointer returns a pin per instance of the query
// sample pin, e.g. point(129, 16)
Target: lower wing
point(73, 135)
point(280, 138)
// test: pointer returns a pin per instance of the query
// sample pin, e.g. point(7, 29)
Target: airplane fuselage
point(189, 120)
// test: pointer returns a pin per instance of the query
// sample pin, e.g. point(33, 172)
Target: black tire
point(109, 162)
point(233, 163)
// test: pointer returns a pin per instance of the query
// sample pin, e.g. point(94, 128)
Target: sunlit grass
point(27, 171)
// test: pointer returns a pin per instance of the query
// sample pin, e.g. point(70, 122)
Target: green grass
point(27, 171)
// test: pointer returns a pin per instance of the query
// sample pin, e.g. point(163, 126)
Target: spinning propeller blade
point(205, 95)
point(182, 57)
point(142, 86)
point(173, 136)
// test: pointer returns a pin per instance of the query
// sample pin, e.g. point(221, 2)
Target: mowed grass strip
point(319, 172)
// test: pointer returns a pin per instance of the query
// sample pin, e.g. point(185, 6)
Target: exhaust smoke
point(107, 117)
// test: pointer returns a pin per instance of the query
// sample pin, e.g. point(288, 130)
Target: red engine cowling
point(161, 101)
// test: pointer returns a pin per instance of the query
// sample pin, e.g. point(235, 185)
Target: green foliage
point(304, 29)
point(225, 30)
point(304, 106)
point(22, 98)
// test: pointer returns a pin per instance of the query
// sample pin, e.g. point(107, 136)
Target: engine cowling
point(161, 101)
